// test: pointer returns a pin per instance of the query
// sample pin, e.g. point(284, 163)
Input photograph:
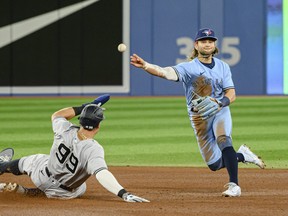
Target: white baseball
point(122, 47)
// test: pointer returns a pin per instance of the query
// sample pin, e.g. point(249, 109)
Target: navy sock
point(240, 157)
point(230, 160)
point(11, 167)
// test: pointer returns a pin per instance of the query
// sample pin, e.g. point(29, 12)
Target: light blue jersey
point(200, 80)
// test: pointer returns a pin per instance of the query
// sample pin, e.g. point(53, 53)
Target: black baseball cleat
point(5, 156)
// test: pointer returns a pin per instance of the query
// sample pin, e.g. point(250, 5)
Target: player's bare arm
point(67, 113)
point(166, 72)
point(231, 94)
point(71, 112)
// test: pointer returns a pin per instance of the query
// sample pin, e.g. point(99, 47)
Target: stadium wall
point(70, 47)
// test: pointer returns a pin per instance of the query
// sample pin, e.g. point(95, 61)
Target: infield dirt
point(172, 191)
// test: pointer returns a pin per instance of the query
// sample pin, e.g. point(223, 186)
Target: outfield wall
point(73, 51)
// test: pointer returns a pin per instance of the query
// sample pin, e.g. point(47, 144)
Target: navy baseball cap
point(205, 33)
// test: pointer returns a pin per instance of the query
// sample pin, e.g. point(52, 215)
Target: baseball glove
point(206, 107)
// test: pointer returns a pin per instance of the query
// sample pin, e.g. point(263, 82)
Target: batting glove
point(128, 197)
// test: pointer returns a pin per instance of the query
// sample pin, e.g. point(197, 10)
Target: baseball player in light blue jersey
point(209, 90)
point(74, 157)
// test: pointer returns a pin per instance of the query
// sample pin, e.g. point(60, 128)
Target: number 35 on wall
point(230, 53)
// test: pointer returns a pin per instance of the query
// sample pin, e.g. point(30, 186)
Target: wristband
point(98, 101)
point(146, 66)
point(121, 192)
point(225, 101)
point(78, 110)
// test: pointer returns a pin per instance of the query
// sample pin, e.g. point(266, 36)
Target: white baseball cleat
point(233, 190)
point(8, 187)
point(6, 155)
point(250, 157)
point(11, 187)
point(2, 186)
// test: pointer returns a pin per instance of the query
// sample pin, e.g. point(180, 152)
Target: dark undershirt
point(210, 65)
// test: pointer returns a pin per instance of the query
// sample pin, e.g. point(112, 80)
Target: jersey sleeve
point(96, 161)
point(182, 71)
point(227, 81)
point(60, 124)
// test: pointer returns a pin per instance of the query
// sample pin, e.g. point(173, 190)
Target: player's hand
point(136, 61)
point(128, 197)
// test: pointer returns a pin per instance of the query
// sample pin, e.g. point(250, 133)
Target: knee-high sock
point(230, 160)
point(240, 157)
point(11, 167)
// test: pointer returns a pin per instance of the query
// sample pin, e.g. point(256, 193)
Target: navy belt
point(61, 186)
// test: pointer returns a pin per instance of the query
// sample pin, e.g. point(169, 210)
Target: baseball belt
point(61, 186)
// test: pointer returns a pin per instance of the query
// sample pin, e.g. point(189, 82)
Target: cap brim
point(205, 37)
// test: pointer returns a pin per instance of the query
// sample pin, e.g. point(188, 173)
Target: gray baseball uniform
point(63, 173)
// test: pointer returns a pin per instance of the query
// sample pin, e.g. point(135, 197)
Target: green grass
point(152, 131)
